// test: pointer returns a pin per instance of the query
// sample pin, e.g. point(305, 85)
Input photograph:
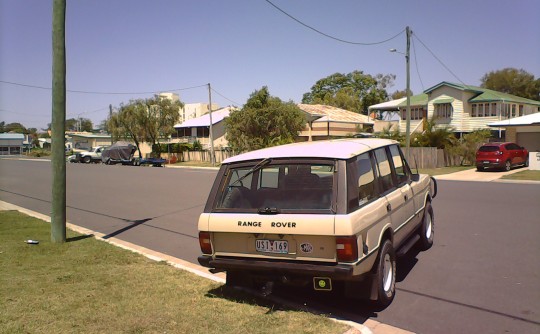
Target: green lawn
point(532, 175)
point(89, 286)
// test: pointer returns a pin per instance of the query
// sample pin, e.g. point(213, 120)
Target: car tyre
point(385, 277)
point(480, 169)
point(86, 159)
point(526, 162)
point(507, 166)
point(427, 229)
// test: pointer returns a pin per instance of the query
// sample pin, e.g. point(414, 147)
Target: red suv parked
point(501, 155)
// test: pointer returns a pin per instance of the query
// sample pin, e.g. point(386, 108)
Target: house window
point(443, 110)
point(473, 112)
point(486, 110)
point(521, 110)
point(494, 109)
point(513, 110)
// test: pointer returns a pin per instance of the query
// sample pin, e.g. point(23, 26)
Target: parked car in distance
point(501, 156)
point(322, 214)
point(94, 155)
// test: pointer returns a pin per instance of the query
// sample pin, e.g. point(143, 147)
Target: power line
point(330, 36)
point(226, 98)
point(440, 61)
point(416, 65)
point(101, 93)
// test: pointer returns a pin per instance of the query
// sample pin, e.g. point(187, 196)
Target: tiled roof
point(324, 113)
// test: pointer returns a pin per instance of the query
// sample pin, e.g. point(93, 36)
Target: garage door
point(529, 140)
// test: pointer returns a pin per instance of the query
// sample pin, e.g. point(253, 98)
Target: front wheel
point(427, 229)
point(386, 275)
point(86, 160)
point(507, 166)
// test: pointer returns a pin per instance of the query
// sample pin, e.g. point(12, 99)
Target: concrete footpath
point(484, 176)
point(368, 327)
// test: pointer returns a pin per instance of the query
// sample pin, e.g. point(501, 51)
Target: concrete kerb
point(369, 327)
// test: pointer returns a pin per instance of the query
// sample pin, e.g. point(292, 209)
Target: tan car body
point(311, 237)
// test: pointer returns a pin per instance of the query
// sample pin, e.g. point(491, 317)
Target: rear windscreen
point(277, 187)
point(489, 149)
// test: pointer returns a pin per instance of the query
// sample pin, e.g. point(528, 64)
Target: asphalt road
point(482, 274)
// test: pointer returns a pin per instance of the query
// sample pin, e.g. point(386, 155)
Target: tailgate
point(306, 237)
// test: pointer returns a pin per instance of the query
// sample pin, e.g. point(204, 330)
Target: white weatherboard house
point(199, 129)
point(463, 107)
point(11, 143)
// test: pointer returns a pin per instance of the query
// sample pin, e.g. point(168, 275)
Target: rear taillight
point(204, 242)
point(347, 249)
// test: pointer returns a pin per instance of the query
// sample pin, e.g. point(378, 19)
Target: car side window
point(384, 169)
point(399, 165)
point(366, 179)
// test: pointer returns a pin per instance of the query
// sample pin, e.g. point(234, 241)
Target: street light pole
point(408, 127)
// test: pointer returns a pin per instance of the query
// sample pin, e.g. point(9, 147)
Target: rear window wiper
point(253, 169)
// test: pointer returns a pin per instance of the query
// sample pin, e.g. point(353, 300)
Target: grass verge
point(442, 170)
point(531, 175)
point(90, 286)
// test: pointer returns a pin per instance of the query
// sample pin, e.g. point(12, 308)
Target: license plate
point(272, 246)
point(486, 162)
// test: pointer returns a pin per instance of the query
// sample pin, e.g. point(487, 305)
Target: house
point(199, 129)
point(325, 121)
point(524, 130)
point(395, 114)
point(464, 108)
point(468, 108)
point(11, 143)
point(195, 110)
point(82, 141)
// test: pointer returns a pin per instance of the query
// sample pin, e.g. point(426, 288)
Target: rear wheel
point(507, 166)
point(427, 230)
point(386, 275)
point(526, 162)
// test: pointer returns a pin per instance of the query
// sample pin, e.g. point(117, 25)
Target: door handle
point(389, 207)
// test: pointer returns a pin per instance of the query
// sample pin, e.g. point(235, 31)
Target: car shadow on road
point(406, 263)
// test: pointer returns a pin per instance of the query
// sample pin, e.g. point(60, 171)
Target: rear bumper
point(337, 271)
point(490, 163)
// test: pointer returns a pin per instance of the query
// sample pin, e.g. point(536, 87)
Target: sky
point(142, 47)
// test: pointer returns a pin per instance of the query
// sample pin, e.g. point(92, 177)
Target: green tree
point(434, 136)
point(128, 123)
point(513, 81)
point(264, 121)
point(162, 114)
point(398, 94)
point(145, 120)
point(354, 91)
point(15, 127)
point(467, 145)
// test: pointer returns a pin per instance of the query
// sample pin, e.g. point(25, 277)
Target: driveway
point(474, 175)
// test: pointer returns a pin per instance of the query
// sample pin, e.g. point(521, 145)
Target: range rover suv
point(321, 213)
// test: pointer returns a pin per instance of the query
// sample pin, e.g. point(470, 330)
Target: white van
point(320, 213)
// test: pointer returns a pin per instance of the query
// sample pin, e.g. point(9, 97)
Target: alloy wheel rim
point(387, 273)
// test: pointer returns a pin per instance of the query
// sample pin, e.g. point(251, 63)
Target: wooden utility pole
point(408, 123)
point(58, 124)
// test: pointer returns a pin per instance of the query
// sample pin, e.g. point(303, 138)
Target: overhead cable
point(440, 61)
point(226, 98)
point(102, 93)
point(416, 65)
point(330, 36)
